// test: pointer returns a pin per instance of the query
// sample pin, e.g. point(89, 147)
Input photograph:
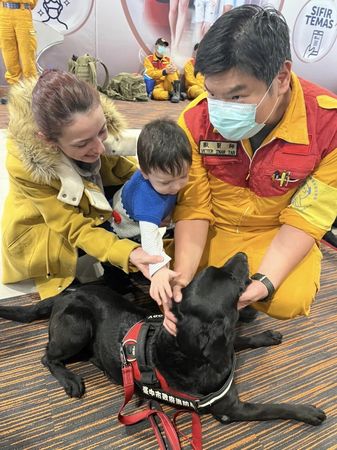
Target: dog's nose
point(242, 256)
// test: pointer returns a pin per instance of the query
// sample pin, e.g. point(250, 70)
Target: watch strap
point(269, 285)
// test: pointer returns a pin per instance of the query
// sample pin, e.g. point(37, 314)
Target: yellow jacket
point(290, 179)
point(154, 66)
point(50, 210)
point(190, 78)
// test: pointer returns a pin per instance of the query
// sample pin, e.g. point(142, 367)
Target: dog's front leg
point(265, 339)
point(256, 411)
point(72, 383)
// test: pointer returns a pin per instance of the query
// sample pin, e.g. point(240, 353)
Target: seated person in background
point(160, 67)
point(194, 84)
point(264, 174)
point(58, 163)
point(148, 198)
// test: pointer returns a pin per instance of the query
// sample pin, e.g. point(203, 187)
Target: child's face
point(165, 183)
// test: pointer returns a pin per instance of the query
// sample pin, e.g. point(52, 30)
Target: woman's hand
point(255, 291)
point(141, 260)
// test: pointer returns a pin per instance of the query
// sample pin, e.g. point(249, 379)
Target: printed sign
point(315, 30)
point(65, 16)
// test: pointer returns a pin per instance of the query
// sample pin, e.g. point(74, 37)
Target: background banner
point(122, 32)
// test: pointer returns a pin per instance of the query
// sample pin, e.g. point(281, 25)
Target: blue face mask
point(162, 50)
point(236, 121)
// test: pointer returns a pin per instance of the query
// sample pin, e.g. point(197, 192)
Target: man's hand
point(177, 285)
point(161, 292)
point(170, 68)
point(160, 289)
point(141, 260)
point(255, 291)
point(170, 319)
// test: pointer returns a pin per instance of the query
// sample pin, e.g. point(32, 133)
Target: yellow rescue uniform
point(18, 39)
point(155, 69)
point(290, 179)
point(194, 84)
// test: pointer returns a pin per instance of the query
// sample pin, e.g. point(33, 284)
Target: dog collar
point(136, 350)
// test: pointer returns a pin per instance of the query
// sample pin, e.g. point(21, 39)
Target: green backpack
point(127, 86)
point(84, 67)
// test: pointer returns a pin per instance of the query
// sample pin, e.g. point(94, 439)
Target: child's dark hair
point(163, 145)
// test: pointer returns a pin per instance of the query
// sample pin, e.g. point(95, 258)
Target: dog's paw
point(74, 386)
point(247, 314)
point(272, 338)
point(312, 415)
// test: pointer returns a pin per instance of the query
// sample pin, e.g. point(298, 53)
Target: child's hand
point(160, 289)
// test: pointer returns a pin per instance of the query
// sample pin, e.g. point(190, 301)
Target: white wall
point(120, 32)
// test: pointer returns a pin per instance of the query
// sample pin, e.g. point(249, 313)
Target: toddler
point(146, 201)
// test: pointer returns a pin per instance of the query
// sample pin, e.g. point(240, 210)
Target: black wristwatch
point(269, 285)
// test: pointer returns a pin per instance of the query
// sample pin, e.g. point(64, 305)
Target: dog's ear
point(216, 340)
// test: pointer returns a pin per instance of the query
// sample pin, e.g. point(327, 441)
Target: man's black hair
point(249, 38)
point(163, 145)
point(196, 46)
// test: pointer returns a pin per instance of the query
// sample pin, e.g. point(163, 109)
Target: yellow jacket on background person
point(158, 67)
point(194, 84)
point(50, 210)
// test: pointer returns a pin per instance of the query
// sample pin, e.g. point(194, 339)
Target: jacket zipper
point(248, 176)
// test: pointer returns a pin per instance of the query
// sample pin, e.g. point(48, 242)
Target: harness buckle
point(123, 356)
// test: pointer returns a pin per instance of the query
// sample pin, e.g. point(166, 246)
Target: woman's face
point(83, 139)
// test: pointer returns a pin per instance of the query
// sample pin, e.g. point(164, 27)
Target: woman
point(58, 160)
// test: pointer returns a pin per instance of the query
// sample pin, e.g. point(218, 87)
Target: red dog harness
point(138, 368)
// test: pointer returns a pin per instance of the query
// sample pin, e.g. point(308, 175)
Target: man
point(194, 82)
point(18, 39)
point(264, 172)
point(159, 67)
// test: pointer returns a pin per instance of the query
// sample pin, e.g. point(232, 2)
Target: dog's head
point(208, 312)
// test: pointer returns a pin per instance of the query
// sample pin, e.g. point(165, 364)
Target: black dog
point(94, 320)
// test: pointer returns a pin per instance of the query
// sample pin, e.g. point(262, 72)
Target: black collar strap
point(135, 350)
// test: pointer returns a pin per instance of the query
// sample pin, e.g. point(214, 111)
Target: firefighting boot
point(183, 96)
point(175, 94)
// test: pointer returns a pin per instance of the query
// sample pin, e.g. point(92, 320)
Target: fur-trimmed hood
point(39, 158)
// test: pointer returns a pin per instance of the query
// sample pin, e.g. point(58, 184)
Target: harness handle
point(196, 442)
point(152, 414)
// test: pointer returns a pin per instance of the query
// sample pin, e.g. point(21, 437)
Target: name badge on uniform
point(215, 148)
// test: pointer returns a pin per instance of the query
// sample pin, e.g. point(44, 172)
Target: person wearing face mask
point(264, 174)
point(160, 68)
point(61, 165)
